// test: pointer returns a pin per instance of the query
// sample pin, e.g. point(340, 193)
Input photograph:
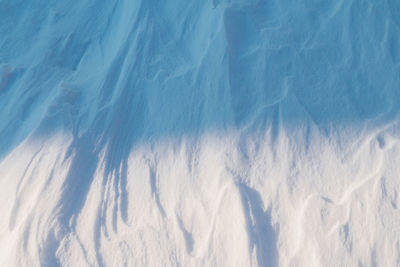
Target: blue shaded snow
point(121, 72)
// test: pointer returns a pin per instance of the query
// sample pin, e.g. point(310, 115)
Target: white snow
point(200, 133)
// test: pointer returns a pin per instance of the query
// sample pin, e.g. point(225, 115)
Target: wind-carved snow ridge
point(199, 133)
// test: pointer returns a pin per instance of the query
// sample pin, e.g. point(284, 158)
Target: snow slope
point(199, 133)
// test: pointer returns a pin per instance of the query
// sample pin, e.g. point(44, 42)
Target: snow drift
point(199, 133)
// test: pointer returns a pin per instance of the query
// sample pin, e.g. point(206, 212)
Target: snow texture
point(200, 133)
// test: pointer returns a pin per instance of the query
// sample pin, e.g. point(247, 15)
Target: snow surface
point(200, 133)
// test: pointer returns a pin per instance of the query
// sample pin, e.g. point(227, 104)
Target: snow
point(199, 133)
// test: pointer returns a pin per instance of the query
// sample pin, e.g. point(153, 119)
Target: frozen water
point(199, 133)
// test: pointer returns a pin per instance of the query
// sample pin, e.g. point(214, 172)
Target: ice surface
point(199, 133)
